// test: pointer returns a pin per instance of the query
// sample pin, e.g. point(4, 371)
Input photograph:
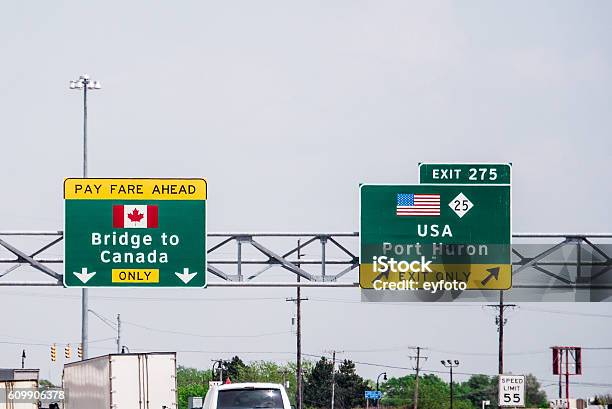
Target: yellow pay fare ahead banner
point(476, 276)
point(135, 189)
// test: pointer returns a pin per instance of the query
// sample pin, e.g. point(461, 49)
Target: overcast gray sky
point(285, 107)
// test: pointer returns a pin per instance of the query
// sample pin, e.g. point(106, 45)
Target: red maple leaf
point(135, 216)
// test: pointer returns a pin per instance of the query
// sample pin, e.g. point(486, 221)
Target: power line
point(153, 299)
point(103, 319)
point(315, 299)
point(565, 312)
point(45, 344)
point(597, 348)
point(201, 335)
point(395, 304)
point(390, 349)
point(490, 353)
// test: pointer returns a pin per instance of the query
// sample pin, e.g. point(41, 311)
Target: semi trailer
point(122, 381)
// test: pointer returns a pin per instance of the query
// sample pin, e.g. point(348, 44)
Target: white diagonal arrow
point(186, 276)
point(84, 276)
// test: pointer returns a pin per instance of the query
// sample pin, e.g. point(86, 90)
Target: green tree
point(350, 387)
point(478, 388)
point(434, 393)
point(233, 368)
point(534, 395)
point(191, 382)
point(317, 384)
point(398, 391)
point(184, 392)
point(185, 376)
point(291, 377)
point(265, 371)
point(603, 399)
point(45, 383)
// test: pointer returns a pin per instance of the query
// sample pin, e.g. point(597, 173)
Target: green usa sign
point(425, 234)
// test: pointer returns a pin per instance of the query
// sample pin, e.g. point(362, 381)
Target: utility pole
point(418, 358)
point(298, 302)
point(333, 397)
point(298, 343)
point(500, 321)
point(333, 379)
point(84, 83)
point(118, 333)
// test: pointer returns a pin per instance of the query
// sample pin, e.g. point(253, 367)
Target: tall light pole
point(384, 375)
point(84, 83)
point(451, 364)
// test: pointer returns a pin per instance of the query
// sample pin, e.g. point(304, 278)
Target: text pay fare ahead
point(150, 189)
point(136, 189)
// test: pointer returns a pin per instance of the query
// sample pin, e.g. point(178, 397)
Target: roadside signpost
point(465, 173)
point(512, 390)
point(374, 395)
point(421, 235)
point(135, 233)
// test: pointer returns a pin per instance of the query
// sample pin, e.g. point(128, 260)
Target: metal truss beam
point(243, 259)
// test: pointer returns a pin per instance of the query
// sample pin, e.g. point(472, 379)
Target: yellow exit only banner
point(476, 276)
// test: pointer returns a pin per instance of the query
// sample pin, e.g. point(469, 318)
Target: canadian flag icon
point(134, 216)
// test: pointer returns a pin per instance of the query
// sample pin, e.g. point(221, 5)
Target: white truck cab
point(249, 395)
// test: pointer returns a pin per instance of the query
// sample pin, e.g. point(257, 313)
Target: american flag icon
point(411, 204)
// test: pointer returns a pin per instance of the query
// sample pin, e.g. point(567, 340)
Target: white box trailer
point(15, 394)
point(17, 374)
point(122, 381)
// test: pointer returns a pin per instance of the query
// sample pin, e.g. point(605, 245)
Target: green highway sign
point(135, 232)
point(465, 173)
point(424, 234)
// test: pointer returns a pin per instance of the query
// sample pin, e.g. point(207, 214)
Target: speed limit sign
point(511, 390)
